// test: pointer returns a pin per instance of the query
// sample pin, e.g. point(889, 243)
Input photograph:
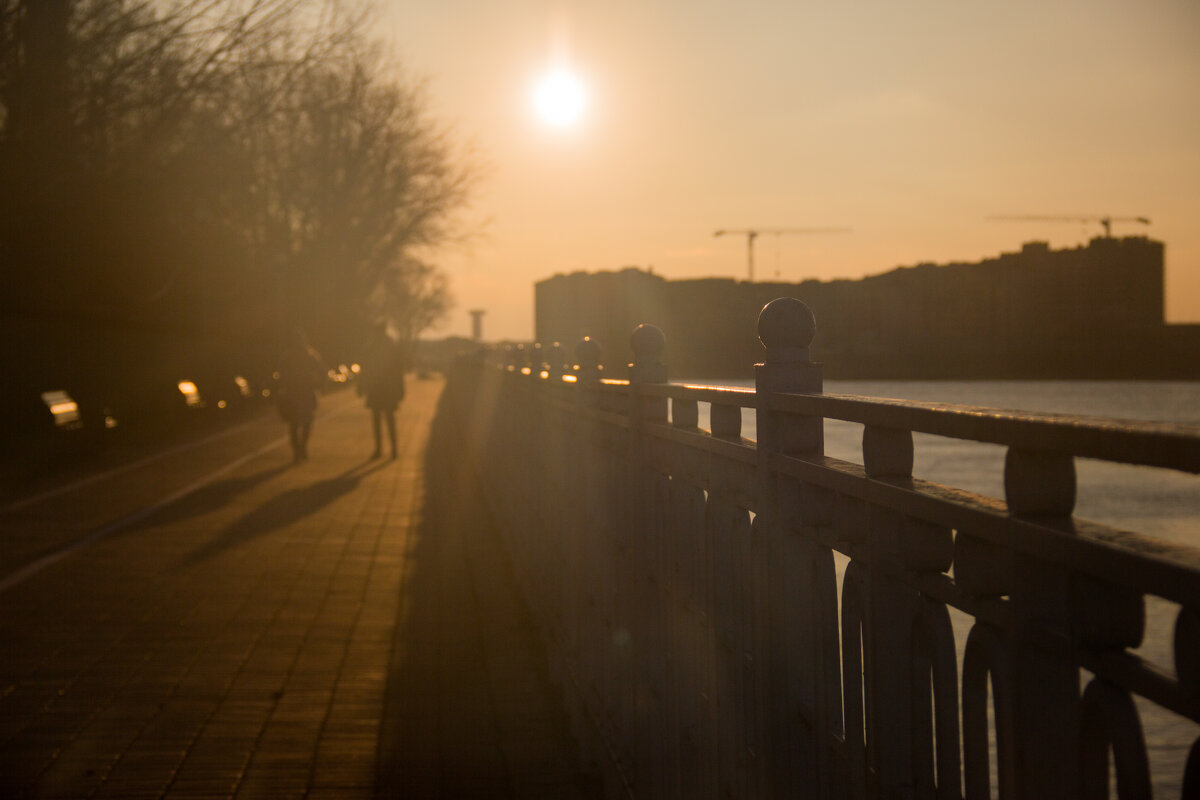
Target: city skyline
point(912, 126)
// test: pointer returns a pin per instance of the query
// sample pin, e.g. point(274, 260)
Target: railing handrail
point(1166, 445)
point(1169, 568)
point(708, 394)
point(1151, 444)
point(1123, 557)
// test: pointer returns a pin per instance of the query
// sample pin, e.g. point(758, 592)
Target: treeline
point(194, 178)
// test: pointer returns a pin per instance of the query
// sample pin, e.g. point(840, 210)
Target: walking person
point(300, 375)
point(382, 383)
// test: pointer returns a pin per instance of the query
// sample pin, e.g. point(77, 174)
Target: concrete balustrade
point(686, 583)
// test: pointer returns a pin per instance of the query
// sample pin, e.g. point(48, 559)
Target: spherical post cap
point(587, 351)
point(785, 324)
point(648, 343)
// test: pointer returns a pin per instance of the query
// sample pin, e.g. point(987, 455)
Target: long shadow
point(204, 500)
point(283, 509)
point(208, 498)
point(449, 730)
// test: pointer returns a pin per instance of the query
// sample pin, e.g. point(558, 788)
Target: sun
point(559, 98)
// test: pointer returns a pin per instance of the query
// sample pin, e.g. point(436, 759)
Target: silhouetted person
point(382, 383)
point(300, 374)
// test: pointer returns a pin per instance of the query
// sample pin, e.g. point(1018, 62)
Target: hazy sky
point(908, 122)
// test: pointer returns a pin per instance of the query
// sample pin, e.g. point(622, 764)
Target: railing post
point(654, 753)
point(586, 631)
point(555, 361)
point(587, 360)
point(537, 358)
point(798, 646)
point(684, 553)
point(649, 344)
point(786, 328)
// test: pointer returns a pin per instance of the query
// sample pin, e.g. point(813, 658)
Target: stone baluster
point(891, 608)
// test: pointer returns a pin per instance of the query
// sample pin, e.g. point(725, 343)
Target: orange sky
point(908, 122)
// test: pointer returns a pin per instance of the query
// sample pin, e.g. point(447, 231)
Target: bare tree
point(364, 179)
point(222, 168)
point(410, 297)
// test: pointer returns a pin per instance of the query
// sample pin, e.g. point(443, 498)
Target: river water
point(1156, 502)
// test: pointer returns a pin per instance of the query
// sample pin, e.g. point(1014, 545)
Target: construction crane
point(1105, 221)
point(753, 234)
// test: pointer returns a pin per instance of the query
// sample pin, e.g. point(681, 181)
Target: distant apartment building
point(1088, 312)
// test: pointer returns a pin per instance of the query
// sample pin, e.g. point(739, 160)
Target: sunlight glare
point(559, 98)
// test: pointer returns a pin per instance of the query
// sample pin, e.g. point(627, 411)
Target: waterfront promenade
point(220, 623)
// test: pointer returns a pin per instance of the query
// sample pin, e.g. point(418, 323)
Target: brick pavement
point(342, 628)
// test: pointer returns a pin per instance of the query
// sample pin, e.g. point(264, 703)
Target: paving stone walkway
point(345, 627)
